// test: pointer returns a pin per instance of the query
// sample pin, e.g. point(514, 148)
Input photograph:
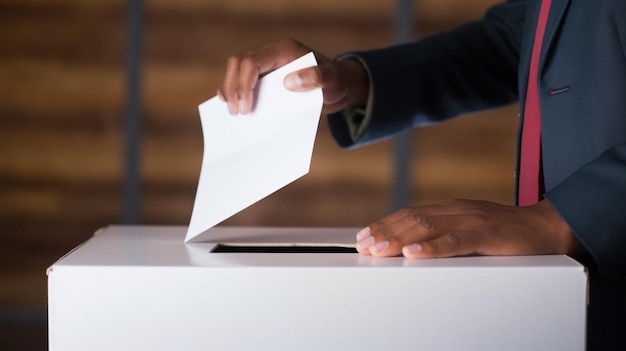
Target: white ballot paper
point(248, 157)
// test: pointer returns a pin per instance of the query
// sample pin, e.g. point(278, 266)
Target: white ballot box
point(143, 288)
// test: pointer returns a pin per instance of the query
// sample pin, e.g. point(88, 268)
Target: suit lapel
point(557, 14)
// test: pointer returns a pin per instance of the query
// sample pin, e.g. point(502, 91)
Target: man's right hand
point(344, 83)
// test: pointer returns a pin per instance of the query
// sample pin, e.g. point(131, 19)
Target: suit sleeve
point(465, 70)
point(593, 203)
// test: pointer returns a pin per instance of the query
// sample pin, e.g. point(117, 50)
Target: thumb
point(304, 79)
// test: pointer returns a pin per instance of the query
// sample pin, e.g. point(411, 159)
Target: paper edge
point(189, 238)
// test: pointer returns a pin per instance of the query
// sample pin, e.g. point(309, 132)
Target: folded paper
point(248, 157)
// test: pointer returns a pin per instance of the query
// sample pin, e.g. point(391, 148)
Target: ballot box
point(143, 288)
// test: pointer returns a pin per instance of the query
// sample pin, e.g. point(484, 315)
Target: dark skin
point(453, 228)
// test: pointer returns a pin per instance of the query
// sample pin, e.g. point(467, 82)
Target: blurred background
point(62, 111)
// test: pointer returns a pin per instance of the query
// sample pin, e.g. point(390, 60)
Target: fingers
point(248, 77)
point(387, 236)
point(230, 87)
point(242, 75)
point(448, 245)
point(243, 71)
point(366, 243)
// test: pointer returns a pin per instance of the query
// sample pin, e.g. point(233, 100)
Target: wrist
point(565, 241)
point(357, 82)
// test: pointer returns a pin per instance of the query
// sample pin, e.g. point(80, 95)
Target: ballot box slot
point(289, 248)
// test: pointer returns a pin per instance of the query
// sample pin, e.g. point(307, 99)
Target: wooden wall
point(62, 108)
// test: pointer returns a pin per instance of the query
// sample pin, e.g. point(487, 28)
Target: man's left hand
point(466, 227)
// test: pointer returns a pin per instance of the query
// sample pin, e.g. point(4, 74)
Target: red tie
point(530, 180)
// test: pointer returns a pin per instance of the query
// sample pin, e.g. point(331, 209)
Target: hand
point(463, 227)
point(344, 83)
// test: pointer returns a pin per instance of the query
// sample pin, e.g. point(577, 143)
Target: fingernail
point(380, 246)
point(411, 249)
point(243, 107)
point(231, 108)
point(365, 232)
point(365, 243)
point(293, 81)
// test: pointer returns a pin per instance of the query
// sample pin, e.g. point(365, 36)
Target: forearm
point(472, 68)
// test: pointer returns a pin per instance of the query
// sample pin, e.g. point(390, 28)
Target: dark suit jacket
point(583, 103)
